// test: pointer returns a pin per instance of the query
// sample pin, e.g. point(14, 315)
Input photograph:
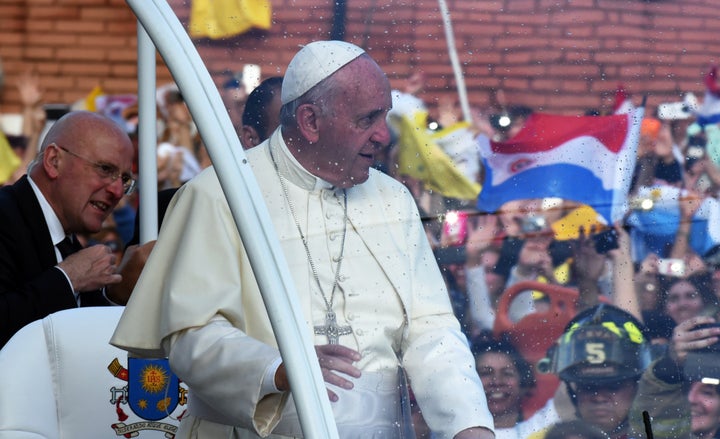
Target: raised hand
point(28, 86)
point(687, 337)
point(482, 230)
point(91, 268)
point(588, 263)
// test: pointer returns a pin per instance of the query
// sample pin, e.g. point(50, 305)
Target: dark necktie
point(68, 246)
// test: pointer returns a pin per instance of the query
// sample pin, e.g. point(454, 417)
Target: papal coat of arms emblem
point(153, 394)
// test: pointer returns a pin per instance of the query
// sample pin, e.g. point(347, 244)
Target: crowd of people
point(662, 283)
point(632, 350)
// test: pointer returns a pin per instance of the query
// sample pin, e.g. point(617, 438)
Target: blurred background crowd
point(569, 316)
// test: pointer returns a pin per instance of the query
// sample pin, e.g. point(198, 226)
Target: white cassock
point(197, 302)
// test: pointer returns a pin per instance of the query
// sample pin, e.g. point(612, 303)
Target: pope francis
point(370, 289)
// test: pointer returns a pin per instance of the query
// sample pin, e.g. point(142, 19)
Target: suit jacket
point(30, 285)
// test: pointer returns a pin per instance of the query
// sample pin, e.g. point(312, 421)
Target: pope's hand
point(332, 358)
point(336, 358)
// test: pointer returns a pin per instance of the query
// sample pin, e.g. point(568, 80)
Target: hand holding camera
point(695, 348)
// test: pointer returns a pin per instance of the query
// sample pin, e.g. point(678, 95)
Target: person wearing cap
point(371, 292)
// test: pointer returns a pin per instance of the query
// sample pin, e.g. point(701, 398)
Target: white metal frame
point(242, 193)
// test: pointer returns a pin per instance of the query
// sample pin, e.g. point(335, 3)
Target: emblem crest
point(152, 392)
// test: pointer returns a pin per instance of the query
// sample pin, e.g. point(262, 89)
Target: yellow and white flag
point(217, 19)
point(419, 156)
point(9, 161)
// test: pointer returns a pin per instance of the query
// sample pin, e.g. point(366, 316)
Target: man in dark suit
point(81, 173)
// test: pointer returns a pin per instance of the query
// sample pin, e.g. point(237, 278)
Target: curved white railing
point(248, 210)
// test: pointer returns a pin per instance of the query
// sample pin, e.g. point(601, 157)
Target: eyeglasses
point(107, 172)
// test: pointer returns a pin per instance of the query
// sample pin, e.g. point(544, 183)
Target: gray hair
point(37, 160)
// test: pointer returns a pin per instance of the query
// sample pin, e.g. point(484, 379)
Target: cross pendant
point(331, 328)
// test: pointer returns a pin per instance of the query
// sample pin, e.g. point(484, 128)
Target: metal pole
point(147, 137)
point(452, 51)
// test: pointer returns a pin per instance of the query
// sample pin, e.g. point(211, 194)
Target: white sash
point(373, 409)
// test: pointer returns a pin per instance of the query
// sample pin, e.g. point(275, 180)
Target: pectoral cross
point(331, 329)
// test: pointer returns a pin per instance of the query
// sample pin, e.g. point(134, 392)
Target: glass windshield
point(561, 157)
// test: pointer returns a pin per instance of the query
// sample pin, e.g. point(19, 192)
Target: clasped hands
point(94, 267)
point(91, 268)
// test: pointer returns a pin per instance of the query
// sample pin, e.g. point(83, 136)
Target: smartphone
point(671, 267)
point(533, 224)
point(455, 227)
point(250, 77)
point(605, 241)
point(455, 255)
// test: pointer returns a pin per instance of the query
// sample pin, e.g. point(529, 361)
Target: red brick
point(33, 26)
point(122, 27)
point(106, 13)
point(79, 27)
point(75, 3)
point(10, 38)
point(39, 53)
point(12, 25)
point(52, 39)
point(57, 82)
point(12, 10)
point(81, 54)
point(55, 12)
point(117, 85)
point(505, 44)
point(107, 41)
point(47, 68)
point(122, 55)
point(78, 69)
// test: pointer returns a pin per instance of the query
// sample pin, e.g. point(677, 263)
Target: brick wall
point(555, 55)
point(73, 45)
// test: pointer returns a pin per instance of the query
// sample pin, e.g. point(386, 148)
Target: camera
point(455, 255)
point(671, 267)
point(704, 364)
point(695, 150)
point(697, 140)
point(455, 227)
point(533, 224)
point(605, 241)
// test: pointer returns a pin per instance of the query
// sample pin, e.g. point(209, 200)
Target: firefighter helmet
point(600, 344)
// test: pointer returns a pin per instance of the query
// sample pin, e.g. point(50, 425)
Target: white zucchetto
point(313, 63)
